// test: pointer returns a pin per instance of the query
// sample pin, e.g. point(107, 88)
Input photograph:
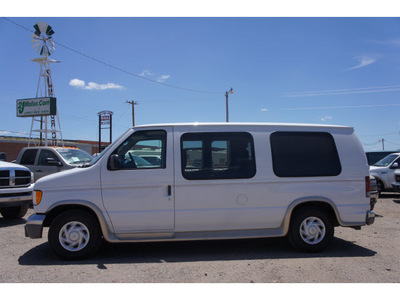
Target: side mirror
point(394, 166)
point(113, 162)
point(53, 162)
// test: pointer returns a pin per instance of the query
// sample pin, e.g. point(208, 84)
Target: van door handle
point(169, 190)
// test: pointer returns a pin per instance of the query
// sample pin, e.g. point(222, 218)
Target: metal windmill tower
point(43, 43)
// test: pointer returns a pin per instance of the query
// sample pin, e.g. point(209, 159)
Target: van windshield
point(75, 156)
point(386, 160)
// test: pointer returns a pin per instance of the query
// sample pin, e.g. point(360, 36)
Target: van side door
point(215, 185)
point(138, 193)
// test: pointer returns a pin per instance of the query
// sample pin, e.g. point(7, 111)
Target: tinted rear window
point(217, 155)
point(28, 158)
point(304, 154)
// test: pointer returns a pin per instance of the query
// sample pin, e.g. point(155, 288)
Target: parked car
point(375, 156)
point(384, 170)
point(214, 181)
point(16, 187)
point(43, 161)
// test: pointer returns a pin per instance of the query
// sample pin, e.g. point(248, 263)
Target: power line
point(117, 68)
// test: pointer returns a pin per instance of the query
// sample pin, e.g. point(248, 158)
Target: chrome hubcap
point(312, 230)
point(74, 236)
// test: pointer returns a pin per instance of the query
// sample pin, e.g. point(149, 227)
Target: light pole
point(227, 106)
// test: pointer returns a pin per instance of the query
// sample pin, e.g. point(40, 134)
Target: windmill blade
point(51, 45)
point(49, 31)
point(43, 49)
point(35, 42)
point(37, 29)
point(41, 26)
point(36, 46)
point(34, 36)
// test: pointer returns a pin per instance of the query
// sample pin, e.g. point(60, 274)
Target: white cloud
point(163, 78)
point(363, 62)
point(94, 86)
point(391, 42)
point(264, 109)
point(326, 118)
point(8, 132)
point(146, 72)
point(77, 83)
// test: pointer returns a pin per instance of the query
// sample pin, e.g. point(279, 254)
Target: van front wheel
point(310, 230)
point(74, 234)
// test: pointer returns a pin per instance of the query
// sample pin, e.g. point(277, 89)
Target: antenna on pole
point(133, 103)
point(43, 43)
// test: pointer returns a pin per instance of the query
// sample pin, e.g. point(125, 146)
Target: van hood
point(73, 178)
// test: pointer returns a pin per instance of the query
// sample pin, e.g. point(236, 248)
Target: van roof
point(247, 124)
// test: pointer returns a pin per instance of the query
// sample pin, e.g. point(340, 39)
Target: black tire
point(311, 230)
point(380, 187)
point(74, 234)
point(15, 212)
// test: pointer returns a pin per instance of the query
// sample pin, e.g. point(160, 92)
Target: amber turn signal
point(38, 197)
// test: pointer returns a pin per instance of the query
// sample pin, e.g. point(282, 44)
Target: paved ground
point(368, 255)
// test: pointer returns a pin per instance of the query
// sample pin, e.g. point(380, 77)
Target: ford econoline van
point(210, 181)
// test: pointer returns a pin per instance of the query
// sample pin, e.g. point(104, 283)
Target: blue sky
point(342, 71)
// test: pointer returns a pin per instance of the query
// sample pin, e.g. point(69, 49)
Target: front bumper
point(396, 186)
point(34, 226)
point(16, 196)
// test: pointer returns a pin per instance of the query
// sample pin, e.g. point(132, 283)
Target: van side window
point(217, 155)
point(143, 150)
point(28, 158)
point(304, 154)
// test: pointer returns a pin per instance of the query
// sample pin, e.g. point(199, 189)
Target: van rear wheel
point(74, 234)
point(311, 230)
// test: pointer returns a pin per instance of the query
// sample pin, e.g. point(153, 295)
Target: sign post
point(105, 118)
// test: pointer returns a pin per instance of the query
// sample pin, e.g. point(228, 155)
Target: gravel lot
point(370, 255)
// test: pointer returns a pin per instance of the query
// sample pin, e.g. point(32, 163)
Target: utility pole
point(227, 105)
point(133, 103)
point(383, 144)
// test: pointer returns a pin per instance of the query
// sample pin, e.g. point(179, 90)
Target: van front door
point(137, 186)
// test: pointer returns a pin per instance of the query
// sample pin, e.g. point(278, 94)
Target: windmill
point(42, 39)
point(42, 42)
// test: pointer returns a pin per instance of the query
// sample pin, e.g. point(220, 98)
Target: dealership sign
point(36, 107)
point(105, 117)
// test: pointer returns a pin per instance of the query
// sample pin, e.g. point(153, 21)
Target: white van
point(213, 181)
